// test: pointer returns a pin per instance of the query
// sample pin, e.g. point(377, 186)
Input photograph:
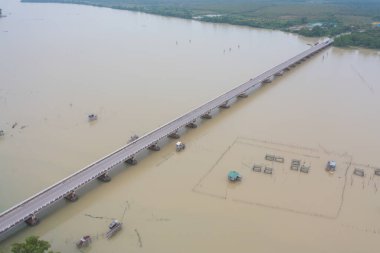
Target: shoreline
point(200, 19)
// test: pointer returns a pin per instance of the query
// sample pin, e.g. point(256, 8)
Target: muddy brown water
point(136, 72)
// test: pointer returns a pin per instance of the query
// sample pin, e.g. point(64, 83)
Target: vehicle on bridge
point(133, 138)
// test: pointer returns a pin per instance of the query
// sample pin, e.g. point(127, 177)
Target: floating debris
point(180, 146)
point(2, 133)
point(295, 164)
point(377, 172)
point(268, 170)
point(359, 172)
point(233, 176)
point(274, 158)
point(114, 227)
point(14, 125)
point(92, 117)
point(305, 169)
point(257, 168)
point(84, 241)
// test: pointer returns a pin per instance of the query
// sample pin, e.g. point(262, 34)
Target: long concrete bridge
point(29, 209)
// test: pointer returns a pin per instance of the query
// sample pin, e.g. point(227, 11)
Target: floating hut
point(180, 146)
point(233, 176)
point(359, 172)
point(331, 166)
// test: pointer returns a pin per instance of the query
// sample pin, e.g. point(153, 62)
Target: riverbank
point(300, 17)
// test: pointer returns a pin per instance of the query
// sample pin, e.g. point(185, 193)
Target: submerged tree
point(32, 244)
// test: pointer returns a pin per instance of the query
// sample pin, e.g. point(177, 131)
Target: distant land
point(354, 22)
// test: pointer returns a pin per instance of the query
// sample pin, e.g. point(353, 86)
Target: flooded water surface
point(59, 63)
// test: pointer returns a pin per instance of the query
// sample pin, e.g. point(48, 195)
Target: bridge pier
point(154, 147)
point(243, 95)
point(287, 69)
point(131, 161)
point(32, 220)
point(225, 105)
point(207, 115)
point(192, 124)
point(174, 135)
point(279, 73)
point(268, 80)
point(72, 196)
point(105, 178)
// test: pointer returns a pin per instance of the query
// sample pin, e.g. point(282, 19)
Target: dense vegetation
point(368, 39)
point(309, 18)
point(32, 244)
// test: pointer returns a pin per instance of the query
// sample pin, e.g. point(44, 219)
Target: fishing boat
point(114, 227)
point(84, 241)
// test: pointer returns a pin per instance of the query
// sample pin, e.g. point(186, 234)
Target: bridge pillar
point(154, 147)
point(243, 95)
point(268, 80)
point(174, 135)
point(192, 124)
point(225, 105)
point(207, 115)
point(32, 220)
point(104, 178)
point(131, 161)
point(279, 73)
point(72, 196)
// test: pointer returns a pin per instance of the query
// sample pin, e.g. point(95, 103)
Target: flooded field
point(60, 63)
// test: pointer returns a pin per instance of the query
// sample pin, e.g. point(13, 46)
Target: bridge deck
point(34, 204)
